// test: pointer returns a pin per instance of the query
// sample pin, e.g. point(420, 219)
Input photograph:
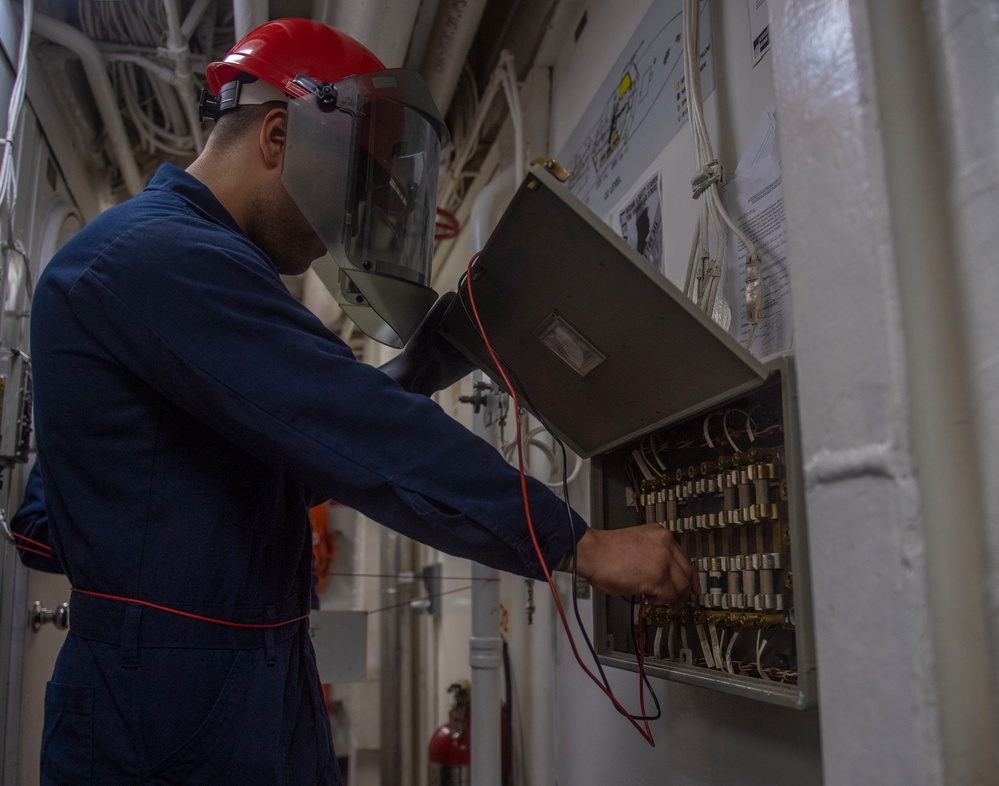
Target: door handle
point(40, 615)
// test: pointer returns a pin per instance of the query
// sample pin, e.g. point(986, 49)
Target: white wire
point(531, 440)
point(704, 265)
point(512, 93)
point(451, 178)
point(759, 655)
point(642, 466)
point(8, 178)
point(728, 653)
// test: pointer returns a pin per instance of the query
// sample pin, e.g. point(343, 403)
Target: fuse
point(761, 475)
point(671, 509)
point(734, 577)
point(660, 496)
point(749, 582)
point(729, 501)
point(745, 496)
point(769, 599)
point(703, 566)
point(738, 564)
point(648, 501)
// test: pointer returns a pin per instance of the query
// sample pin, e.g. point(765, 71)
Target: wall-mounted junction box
point(727, 482)
point(684, 426)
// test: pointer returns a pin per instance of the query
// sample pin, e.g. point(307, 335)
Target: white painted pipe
point(485, 646)
point(247, 15)
point(485, 656)
point(512, 91)
point(180, 51)
point(383, 26)
point(454, 30)
point(193, 18)
point(423, 26)
point(100, 85)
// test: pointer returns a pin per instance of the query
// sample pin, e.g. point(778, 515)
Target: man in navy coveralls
point(189, 411)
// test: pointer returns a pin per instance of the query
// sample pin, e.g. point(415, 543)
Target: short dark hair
point(235, 124)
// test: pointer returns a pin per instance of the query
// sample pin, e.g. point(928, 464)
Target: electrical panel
point(15, 408)
point(726, 482)
point(684, 427)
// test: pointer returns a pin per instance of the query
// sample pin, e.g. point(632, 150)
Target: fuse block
point(726, 482)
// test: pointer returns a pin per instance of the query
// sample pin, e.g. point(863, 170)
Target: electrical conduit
point(100, 85)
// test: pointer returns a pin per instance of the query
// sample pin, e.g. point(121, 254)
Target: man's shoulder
point(147, 231)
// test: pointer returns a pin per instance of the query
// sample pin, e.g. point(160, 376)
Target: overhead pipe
point(248, 14)
point(193, 18)
point(180, 51)
point(450, 42)
point(485, 657)
point(423, 26)
point(100, 86)
point(503, 78)
point(383, 26)
point(485, 654)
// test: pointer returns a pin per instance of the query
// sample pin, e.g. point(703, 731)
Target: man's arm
point(30, 527)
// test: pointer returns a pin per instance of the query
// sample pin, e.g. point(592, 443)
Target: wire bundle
point(8, 177)
point(708, 247)
point(137, 41)
point(452, 178)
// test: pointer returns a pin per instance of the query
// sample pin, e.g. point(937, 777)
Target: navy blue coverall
point(189, 410)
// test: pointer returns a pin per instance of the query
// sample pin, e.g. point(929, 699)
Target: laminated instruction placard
point(639, 108)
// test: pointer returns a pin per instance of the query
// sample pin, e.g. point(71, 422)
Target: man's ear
point(272, 135)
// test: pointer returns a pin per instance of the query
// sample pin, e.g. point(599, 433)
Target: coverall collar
point(174, 180)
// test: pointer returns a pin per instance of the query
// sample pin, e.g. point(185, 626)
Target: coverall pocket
point(68, 736)
point(202, 758)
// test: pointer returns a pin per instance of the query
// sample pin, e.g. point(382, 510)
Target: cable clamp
point(706, 176)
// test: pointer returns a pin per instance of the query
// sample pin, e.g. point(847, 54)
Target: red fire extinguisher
point(450, 751)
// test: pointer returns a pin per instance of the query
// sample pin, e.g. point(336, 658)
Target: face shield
point(361, 164)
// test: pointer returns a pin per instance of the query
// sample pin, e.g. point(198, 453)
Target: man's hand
point(644, 560)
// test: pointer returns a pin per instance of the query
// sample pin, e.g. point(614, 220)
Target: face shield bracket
point(325, 92)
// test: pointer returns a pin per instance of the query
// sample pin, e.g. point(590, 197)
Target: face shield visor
point(360, 162)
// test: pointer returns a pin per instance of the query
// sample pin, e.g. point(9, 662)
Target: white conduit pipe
point(193, 18)
point(100, 85)
point(451, 39)
point(512, 91)
point(504, 77)
point(485, 656)
point(248, 14)
point(485, 644)
point(179, 50)
point(452, 177)
point(383, 26)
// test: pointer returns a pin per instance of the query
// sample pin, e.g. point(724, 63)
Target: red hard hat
point(278, 51)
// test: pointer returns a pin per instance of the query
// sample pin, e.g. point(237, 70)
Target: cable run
point(412, 576)
point(425, 597)
point(645, 732)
